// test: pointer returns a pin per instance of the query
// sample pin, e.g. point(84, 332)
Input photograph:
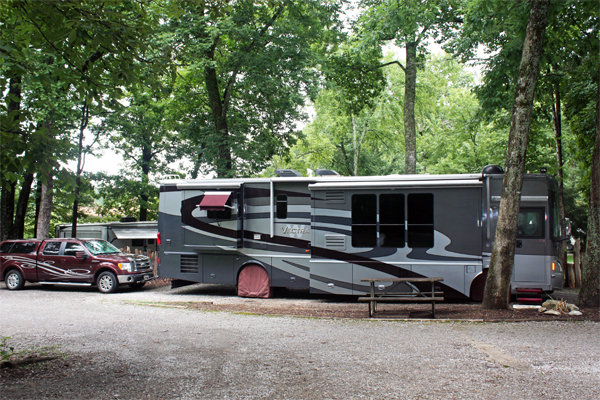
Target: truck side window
point(23, 248)
point(5, 248)
point(72, 248)
point(52, 249)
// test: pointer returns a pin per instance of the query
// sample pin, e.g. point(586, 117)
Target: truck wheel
point(14, 280)
point(107, 282)
point(137, 285)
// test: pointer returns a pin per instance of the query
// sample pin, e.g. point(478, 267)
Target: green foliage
point(122, 197)
point(6, 351)
point(253, 63)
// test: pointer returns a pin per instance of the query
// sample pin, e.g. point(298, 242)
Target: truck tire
point(14, 280)
point(107, 282)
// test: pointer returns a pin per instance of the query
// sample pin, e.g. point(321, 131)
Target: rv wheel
point(14, 280)
point(253, 281)
point(107, 282)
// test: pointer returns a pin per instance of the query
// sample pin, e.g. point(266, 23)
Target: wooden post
point(577, 263)
point(571, 275)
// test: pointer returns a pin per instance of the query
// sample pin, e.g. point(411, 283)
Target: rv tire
point(107, 282)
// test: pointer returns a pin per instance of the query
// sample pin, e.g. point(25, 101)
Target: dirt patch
point(303, 304)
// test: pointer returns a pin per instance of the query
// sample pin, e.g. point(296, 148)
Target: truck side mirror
point(81, 254)
point(567, 227)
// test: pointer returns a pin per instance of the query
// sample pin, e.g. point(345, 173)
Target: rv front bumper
point(135, 278)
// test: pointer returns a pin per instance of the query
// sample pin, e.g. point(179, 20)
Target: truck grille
point(143, 265)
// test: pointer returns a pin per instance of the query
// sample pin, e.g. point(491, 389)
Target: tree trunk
point(43, 226)
point(7, 195)
point(19, 225)
point(85, 115)
point(557, 119)
point(224, 163)
point(497, 286)
point(590, 287)
point(410, 94)
point(146, 158)
point(38, 204)
point(7, 210)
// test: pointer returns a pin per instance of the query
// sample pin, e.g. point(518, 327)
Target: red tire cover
point(254, 282)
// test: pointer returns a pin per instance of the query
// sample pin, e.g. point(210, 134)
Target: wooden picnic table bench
point(416, 296)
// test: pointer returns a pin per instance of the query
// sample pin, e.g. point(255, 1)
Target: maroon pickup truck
point(71, 261)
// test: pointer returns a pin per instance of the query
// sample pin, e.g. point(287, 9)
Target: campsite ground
point(202, 342)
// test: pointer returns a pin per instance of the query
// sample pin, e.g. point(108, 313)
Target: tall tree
point(409, 25)
point(90, 49)
point(497, 286)
point(254, 62)
point(589, 294)
point(140, 132)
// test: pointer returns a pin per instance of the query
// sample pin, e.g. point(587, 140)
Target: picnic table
point(416, 296)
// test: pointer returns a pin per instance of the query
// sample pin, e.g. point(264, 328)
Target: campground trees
point(497, 286)
point(61, 54)
point(408, 25)
point(253, 62)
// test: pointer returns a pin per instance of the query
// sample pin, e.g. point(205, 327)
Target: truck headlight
point(126, 267)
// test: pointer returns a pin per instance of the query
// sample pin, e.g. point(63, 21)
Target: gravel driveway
point(128, 345)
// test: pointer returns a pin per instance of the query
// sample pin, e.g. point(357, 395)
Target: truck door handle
point(519, 244)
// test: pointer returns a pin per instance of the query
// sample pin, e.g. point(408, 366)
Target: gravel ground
point(131, 345)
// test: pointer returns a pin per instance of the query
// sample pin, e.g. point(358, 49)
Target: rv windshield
point(97, 247)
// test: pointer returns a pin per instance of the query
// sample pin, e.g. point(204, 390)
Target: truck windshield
point(100, 247)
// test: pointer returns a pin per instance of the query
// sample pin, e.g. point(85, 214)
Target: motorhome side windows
point(420, 220)
point(364, 220)
point(394, 213)
point(531, 223)
point(282, 206)
point(391, 220)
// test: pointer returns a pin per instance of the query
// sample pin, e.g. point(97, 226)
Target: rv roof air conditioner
point(492, 169)
point(287, 173)
point(327, 172)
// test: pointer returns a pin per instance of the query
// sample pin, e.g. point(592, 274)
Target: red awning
point(214, 201)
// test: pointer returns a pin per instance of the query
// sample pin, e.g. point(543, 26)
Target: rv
point(328, 233)
point(127, 233)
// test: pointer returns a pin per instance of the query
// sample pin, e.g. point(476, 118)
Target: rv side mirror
point(81, 254)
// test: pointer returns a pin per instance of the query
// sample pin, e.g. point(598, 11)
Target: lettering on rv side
point(295, 230)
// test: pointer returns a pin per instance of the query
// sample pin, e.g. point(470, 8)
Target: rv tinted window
point(52, 248)
point(531, 223)
point(281, 206)
point(137, 242)
point(391, 220)
point(364, 220)
point(420, 220)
